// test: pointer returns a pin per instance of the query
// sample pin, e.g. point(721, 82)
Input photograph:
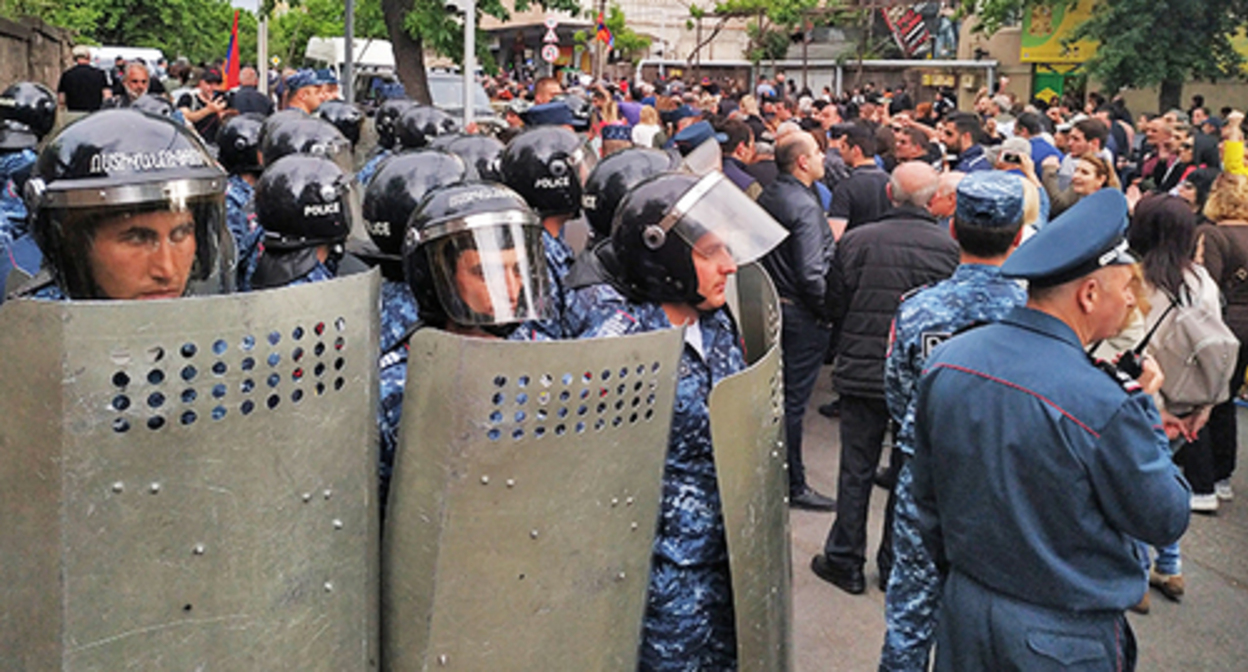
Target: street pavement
point(1208, 630)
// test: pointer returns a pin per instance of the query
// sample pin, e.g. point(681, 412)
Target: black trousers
point(864, 421)
point(804, 343)
point(1223, 431)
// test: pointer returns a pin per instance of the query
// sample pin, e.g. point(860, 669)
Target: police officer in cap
point(384, 122)
point(138, 214)
point(987, 226)
point(1036, 469)
point(239, 153)
point(675, 241)
point(474, 261)
point(307, 208)
point(547, 166)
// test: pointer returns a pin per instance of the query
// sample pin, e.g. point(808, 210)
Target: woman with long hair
point(1223, 249)
point(1092, 173)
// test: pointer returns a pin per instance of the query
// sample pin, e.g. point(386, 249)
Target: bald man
point(945, 202)
point(799, 267)
point(874, 265)
point(248, 98)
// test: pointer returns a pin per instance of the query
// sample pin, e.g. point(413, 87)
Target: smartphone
point(1011, 157)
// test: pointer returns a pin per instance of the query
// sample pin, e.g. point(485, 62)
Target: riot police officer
point(418, 125)
point(133, 214)
point(474, 261)
point(547, 166)
point(384, 122)
point(481, 152)
point(307, 208)
point(27, 113)
point(343, 116)
point(239, 154)
point(675, 241)
point(391, 197)
point(302, 134)
point(611, 179)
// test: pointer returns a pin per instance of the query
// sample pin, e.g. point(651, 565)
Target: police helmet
point(473, 256)
point(478, 151)
point(303, 202)
point(419, 124)
point(27, 113)
point(666, 218)
point(344, 116)
point(582, 109)
point(239, 144)
point(547, 166)
point(152, 105)
point(91, 175)
point(312, 136)
point(397, 188)
point(388, 114)
point(613, 177)
point(276, 119)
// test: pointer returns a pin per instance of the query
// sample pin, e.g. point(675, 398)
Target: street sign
point(551, 22)
point(551, 36)
point(550, 52)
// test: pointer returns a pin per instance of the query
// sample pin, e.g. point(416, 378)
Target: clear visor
point(583, 161)
point(491, 275)
point(704, 159)
point(338, 151)
point(716, 218)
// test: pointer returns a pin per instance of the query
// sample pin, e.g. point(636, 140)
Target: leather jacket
point(799, 264)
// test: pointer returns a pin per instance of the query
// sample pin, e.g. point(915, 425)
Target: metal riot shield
point(524, 499)
point(747, 413)
point(190, 484)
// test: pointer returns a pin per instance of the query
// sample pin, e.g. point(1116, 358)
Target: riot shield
point(747, 413)
point(190, 484)
point(524, 500)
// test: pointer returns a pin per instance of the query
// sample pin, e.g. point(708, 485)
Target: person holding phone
point(205, 107)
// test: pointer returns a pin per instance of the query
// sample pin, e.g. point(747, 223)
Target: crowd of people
point(972, 276)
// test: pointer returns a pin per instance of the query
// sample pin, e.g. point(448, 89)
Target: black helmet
point(581, 108)
point(153, 105)
point(419, 124)
point(547, 165)
point(344, 116)
point(239, 144)
point(309, 135)
point(303, 202)
point(121, 163)
point(508, 282)
point(27, 113)
point(613, 177)
point(278, 118)
point(388, 114)
point(479, 151)
point(397, 188)
point(665, 217)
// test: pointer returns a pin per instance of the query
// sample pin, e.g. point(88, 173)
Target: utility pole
point(469, 9)
point(262, 53)
point(348, 63)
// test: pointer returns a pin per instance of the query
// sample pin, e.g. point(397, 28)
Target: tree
point(414, 25)
point(196, 29)
point(774, 20)
point(289, 32)
point(1145, 43)
point(628, 42)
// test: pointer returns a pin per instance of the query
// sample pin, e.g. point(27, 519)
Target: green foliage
point(1143, 42)
point(773, 20)
point(443, 32)
point(196, 29)
point(627, 41)
point(289, 32)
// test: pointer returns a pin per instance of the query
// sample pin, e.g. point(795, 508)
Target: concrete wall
point(33, 50)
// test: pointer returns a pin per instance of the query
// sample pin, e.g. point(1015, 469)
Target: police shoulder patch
point(930, 339)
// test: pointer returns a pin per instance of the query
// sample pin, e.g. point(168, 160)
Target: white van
point(103, 57)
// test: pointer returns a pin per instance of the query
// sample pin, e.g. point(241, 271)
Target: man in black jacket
point(799, 268)
point(874, 265)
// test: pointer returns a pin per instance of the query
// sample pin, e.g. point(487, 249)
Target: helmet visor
point(583, 161)
point(704, 159)
point(491, 274)
point(735, 223)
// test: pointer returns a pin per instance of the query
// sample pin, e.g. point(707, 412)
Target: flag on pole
point(604, 33)
point(231, 57)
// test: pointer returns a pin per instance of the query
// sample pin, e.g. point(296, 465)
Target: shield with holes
point(524, 500)
point(190, 484)
point(747, 423)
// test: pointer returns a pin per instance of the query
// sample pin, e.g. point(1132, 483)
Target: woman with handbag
point(1223, 250)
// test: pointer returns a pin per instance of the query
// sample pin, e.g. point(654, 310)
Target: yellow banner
point(1044, 29)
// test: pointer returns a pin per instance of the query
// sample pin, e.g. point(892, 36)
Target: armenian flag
point(604, 33)
point(231, 57)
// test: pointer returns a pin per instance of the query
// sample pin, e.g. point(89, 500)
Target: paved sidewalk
point(836, 631)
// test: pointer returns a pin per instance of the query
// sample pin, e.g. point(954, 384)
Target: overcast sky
point(249, 5)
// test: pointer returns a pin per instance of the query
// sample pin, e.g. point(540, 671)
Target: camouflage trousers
point(913, 598)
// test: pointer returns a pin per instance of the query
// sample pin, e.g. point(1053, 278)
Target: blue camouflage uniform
point(689, 623)
point(559, 258)
point(1035, 471)
point(370, 167)
point(22, 255)
point(975, 293)
point(12, 209)
point(240, 218)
